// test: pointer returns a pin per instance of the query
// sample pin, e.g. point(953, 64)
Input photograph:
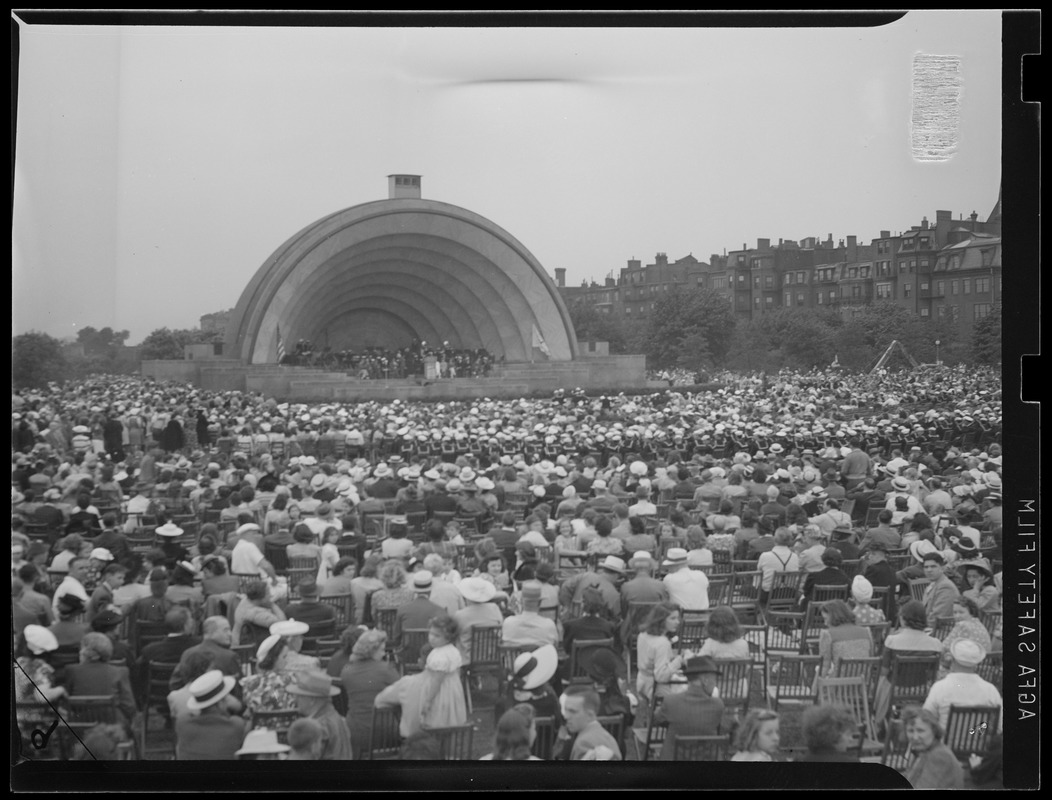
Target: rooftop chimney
point(885, 234)
point(763, 244)
point(973, 216)
point(661, 258)
point(924, 224)
point(560, 277)
point(399, 186)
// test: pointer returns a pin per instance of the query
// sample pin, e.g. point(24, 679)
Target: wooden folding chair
point(158, 674)
point(486, 659)
point(852, 693)
point(969, 729)
point(791, 679)
point(278, 721)
point(454, 743)
point(701, 748)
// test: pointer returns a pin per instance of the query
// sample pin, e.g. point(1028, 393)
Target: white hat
point(101, 554)
point(921, 548)
point(674, 557)
point(39, 639)
point(538, 491)
point(598, 483)
point(776, 448)
point(638, 468)
point(613, 563)
point(535, 668)
point(209, 689)
point(289, 627)
point(900, 484)
point(861, 589)
point(422, 579)
point(262, 740)
point(170, 529)
point(641, 555)
point(382, 470)
point(968, 652)
point(477, 590)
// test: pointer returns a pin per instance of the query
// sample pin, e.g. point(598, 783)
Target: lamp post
point(937, 362)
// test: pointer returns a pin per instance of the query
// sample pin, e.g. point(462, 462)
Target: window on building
point(801, 277)
point(954, 312)
point(907, 290)
point(770, 300)
point(788, 278)
point(982, 285)
point(940, 287)
point(788, 299)
point(981, 310)
point(864, 272)
point(628, 310)
point(924, 263)
point(884, 291)
point(856, 291)
point(955, 287)
point(966, 286)
point(988, 256)
point(852, 272)
point(818, 298)
point(756, 302)
point(768, 282)
point(756, 282)
point(924, 312)
point(741, 279)
point(913, 264)
point(799, 298)
point(942, 311)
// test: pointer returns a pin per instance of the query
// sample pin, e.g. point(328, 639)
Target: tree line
point(696, 329)
point(693, 329)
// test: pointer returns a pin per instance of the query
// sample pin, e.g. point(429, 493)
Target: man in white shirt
point(443, 591)
point(642, 507)
point(901, 488)
point(73, 583)
point(247, 556)
point(687, 588)
point(528, 627)
point(937, 498)
point(962, 686)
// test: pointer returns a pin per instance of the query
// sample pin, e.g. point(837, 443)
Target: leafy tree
point(590, 324)
point(37, 360)
point(986, 338)
point(680, 321)
point(166, 344)
point(105, 341)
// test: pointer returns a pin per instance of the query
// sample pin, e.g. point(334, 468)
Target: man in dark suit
point(866, 495)
point(179, 622)
point(217, 639)
point(417, 613)
point(694, 712)
point(843, 539)
point(440, 499)
point(320, 616)
point(829, 575)
point(884, 533)
point(879, 573)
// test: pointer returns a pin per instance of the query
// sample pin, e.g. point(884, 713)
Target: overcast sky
point(158, 168)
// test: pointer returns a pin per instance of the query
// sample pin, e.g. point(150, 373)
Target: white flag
point(539, 343)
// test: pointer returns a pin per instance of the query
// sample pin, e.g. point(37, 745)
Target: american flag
point(281, 347)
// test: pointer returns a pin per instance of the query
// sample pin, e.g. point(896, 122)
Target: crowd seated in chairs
point(218, 490)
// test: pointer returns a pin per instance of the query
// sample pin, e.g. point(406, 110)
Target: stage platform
point(507, 381)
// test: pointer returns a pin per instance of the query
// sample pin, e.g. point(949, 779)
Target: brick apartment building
point(951, 268)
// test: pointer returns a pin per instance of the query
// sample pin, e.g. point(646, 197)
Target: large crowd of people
point(307, 572)
point(376, 363)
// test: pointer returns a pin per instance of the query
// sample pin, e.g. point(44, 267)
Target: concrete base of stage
point(305, 385)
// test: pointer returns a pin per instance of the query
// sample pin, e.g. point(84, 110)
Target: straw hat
point(477, 590)
point(968, 652)
point(262, 740)
point(209, 689)
point(312, 683)
point(675, 557)
point(289, 627)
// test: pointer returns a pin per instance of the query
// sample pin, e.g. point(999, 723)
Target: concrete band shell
point(389, 270)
